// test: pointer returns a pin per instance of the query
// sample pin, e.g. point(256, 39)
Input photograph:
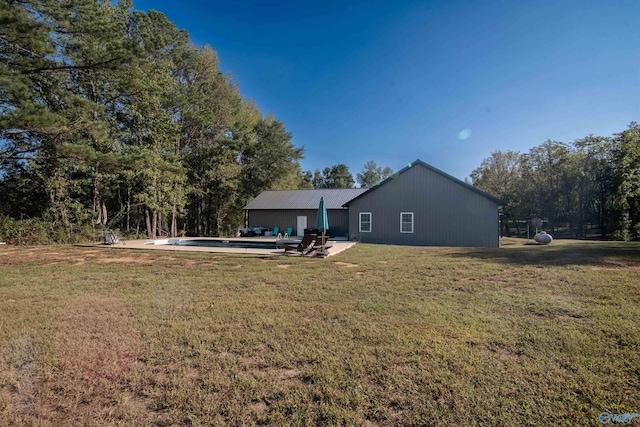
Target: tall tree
point(544, 174)
point(338, 176)
point(293, 179)
point(372, 174)
point(499, 176)
point(211, 110)
point(52, 118)
point(591, 184)
point(318, 180)
point(152, 130)
point(269, 157)
point(627, 182)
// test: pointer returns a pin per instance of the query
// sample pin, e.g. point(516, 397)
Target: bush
point(33, 231)
point(37, 231)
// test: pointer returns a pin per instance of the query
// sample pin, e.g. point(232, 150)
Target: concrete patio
point(164, 245)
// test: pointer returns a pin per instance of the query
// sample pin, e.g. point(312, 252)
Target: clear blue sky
point(447, 82)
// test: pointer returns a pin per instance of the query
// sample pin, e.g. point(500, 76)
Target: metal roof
point(428, 166)
point(334, 198)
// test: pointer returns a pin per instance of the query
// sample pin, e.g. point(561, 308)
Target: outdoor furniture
point(247, 232)
point(288, 232)
point(305, 245)
point(111, 239)
point(321, 246)
point(320, 251)
point(322, 225)
point(276, 231)
point(322, 240)
point(255, 231)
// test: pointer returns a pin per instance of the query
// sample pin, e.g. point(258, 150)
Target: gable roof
point(428, 166)
point(334, 198)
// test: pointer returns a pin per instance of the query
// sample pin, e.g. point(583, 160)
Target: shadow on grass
point(605, 254)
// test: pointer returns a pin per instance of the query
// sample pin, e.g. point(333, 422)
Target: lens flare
point(464, 134)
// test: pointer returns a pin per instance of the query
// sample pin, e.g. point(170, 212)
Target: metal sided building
point(421, 205)
point(298, 209)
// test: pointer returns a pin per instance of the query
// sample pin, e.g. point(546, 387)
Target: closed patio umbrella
point(322, 222)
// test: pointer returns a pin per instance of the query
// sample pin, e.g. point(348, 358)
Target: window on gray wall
point(365, 222)
point(406, 222)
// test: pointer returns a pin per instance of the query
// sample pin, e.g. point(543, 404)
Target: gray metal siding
point(445, 212)
point(338, 219)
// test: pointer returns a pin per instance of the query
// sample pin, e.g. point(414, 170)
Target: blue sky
point(447, 82)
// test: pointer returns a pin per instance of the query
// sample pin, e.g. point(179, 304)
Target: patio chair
point(111, 238)
point(322, 240)
point(276, 231)
point(305, 245)
point(288, 232)
point(321, 247)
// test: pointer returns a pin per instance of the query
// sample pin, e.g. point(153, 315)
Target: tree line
point(111, 117)
point(338, 176)
point(588, 188)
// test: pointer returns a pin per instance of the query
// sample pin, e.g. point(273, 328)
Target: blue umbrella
point(322, 222)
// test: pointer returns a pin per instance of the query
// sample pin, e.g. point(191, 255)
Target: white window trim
point(360, 222)
point(406, 213)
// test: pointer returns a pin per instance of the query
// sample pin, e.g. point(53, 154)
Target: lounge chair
point(321, 246)
point(305, 245)
point(322, 240)
point(111, 238)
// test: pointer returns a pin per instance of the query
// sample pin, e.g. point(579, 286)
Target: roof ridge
point(319, 189)
point(434, 169)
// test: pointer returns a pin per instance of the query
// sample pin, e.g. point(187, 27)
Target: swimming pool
point(222, 243)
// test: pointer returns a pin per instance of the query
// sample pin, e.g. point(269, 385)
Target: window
point(365, 222)
point(406, 222)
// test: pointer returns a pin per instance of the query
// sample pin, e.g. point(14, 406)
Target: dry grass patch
point(346, 264)
point(97, 338)
point(130, 259)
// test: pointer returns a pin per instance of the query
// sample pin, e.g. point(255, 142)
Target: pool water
point(213, 243)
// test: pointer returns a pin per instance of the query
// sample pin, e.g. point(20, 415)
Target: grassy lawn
point(378, 335)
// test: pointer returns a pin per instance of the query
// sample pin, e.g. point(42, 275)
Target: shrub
point(37, 231)
point(32, 231)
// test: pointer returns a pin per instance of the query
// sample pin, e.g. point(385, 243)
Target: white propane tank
point(543, 238)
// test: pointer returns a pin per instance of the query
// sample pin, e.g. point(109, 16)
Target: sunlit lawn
point(378, 335)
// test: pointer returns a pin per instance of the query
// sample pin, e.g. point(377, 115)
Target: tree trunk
point(217, 214)
point(174, 225)
point(104, 214)
point(601, 216)
point(65, 217)
point(128, 208)
point(154, 224)
point(148, 223)
point(199, 216)
point(209, 214)
point(96, 206)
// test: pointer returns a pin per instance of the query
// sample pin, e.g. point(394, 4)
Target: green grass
point(378, 335)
